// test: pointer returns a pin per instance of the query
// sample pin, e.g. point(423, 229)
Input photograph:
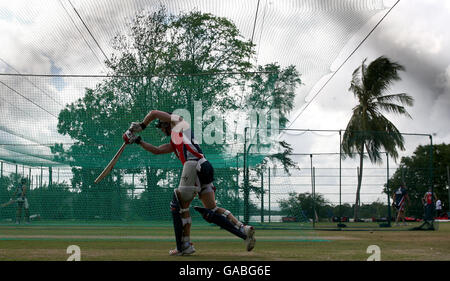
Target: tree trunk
point(358, 190)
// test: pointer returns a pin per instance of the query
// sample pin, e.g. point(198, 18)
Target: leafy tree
point(368, 131)
point(344, 210)
point(414, 172)
point(375, 209)
point(301, 205)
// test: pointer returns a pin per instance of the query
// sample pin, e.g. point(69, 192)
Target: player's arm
point(157, 114)
point(162, 149)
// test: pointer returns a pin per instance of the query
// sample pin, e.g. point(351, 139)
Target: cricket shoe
point(189, 250)
point(250, 240)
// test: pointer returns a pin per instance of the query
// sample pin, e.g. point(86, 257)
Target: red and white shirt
point(428, 197)
point(185, 146)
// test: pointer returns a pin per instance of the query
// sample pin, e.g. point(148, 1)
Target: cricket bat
point(111, 164)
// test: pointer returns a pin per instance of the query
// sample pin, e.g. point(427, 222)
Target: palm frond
point(393, 108)
point(363, 70)
point(380, 74)
point(388, 136)
point(355, 84)
point(403, 98)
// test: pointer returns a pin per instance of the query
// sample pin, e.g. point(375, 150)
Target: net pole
point(314, 198)
point(312, 187)
point(236, 201)
point(132, 184)
point(246, 195)
point(387, 189)
point(270, 201)
point(29, 176)
point(262, 196)
point(50, 176)
point(340, 175)
point(119, 176)
point(431, 176)
point(402, 174)
point(448, 186)
point(40, 180)
point(1, 170)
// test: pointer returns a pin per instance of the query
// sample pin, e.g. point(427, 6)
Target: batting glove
point(129, 138)
point(138, 140)
point(137, 127)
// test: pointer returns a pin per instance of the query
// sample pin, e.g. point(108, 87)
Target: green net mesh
point(82, 71)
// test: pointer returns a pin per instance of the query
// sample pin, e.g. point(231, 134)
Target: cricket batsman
point(196, 179)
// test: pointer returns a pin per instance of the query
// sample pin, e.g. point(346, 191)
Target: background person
point(400, 199)
point(427, 201)
point(439, 207)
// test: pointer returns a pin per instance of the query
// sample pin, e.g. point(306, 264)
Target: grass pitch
point(151, 243)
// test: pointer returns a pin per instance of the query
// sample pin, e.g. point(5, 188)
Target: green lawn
point(129, 242)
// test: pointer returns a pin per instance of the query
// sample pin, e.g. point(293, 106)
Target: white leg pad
point(186, 220)
point(189, 183)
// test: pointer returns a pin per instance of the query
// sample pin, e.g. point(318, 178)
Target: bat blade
point(111, 164)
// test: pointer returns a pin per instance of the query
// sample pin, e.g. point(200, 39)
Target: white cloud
point(417, 37)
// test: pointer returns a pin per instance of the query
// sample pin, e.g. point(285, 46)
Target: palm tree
point(368, 131)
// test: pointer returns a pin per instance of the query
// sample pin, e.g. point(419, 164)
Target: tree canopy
point(414, 171)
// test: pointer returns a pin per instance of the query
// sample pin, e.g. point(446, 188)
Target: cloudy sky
point(47, 37)
point(414, 34)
